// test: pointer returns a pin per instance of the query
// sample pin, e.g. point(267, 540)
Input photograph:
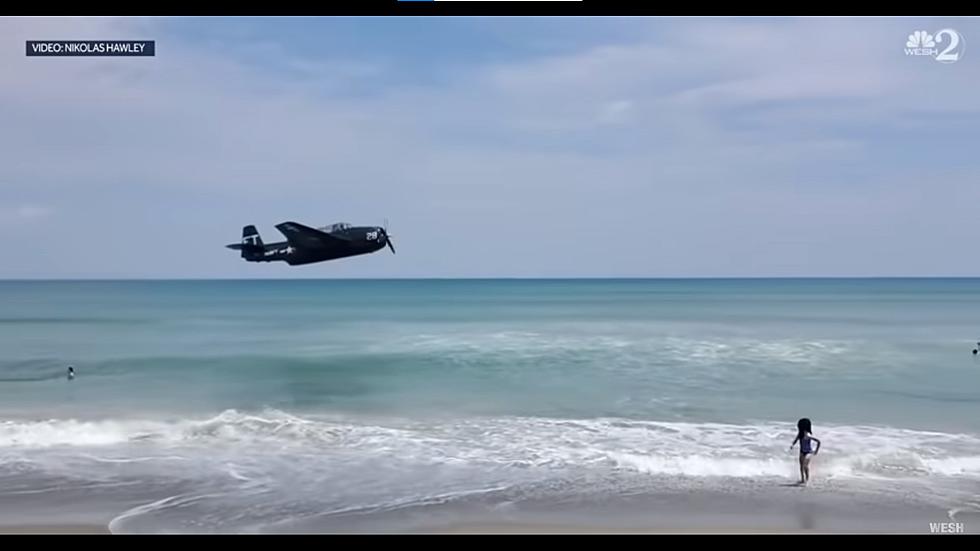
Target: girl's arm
point(817, 440)
point(794, 441)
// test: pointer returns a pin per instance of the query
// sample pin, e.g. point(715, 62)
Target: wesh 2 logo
point(921, 43)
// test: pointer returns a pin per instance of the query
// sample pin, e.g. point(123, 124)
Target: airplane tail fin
point(251, 244)
point(250, 236)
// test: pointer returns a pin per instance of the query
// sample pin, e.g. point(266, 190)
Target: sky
point(495, 147)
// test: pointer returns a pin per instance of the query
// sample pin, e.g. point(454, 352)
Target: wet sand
point(55, 529)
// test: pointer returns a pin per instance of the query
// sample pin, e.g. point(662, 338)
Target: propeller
point(388, 237)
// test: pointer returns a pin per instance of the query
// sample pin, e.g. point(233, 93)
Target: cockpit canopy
point(339, 226)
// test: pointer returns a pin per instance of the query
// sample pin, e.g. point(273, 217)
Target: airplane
point(306, 245)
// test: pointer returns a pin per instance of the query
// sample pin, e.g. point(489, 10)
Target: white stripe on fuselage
point(287, 251)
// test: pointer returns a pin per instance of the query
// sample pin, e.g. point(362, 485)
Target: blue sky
point(496, 147)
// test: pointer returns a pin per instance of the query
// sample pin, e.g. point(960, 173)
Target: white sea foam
point(681, 449)
point(239, 471)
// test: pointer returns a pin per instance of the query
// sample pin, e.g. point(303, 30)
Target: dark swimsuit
point(805, 446)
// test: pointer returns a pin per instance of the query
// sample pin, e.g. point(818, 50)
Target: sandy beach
point(770, 512)
point(55, 529)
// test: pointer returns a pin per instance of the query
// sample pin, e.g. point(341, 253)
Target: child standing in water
point(805, 437)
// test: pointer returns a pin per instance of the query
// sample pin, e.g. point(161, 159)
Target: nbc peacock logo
point(921, 43)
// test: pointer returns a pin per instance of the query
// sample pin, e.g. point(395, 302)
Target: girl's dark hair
point(803, 427)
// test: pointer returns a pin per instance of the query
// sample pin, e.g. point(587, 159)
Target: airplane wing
point(299, 235)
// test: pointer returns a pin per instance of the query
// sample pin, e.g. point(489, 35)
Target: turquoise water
point(469, 387)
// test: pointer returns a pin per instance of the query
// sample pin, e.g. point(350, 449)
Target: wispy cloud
point(24, 213)
point(615, 112)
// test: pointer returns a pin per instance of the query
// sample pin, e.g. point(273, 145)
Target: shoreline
point(754, 508)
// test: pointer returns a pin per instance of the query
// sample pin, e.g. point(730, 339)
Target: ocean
point(393, 405)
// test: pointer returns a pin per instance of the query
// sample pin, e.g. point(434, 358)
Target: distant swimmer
point(804, 435)
point(71, 373)
point(974, 351)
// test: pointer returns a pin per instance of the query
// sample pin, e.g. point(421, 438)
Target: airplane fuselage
point(362, 240)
